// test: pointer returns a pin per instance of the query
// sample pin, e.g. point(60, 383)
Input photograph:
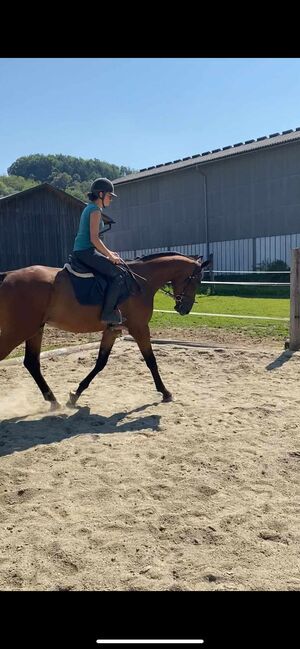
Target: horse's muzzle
point(184, 306)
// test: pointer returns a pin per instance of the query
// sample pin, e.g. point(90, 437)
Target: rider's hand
point(114, 257)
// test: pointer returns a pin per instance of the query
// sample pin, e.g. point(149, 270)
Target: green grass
point(270, 307)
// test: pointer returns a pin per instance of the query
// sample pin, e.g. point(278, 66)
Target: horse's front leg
point(142, 337)
point(107, 342)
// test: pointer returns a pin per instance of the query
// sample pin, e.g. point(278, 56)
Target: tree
point(45, 167)
point(12, 184)
point(73, 175)
point(61, 180)
point(38, 167)
point(125, 171)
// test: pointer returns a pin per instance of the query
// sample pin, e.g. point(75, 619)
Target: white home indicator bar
point(150, 641)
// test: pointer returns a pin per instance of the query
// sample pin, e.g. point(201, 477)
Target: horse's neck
point(157, 272)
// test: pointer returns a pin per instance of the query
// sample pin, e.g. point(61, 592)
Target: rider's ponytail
point(92, 196)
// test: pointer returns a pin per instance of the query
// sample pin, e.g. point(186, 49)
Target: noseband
point(178, 298)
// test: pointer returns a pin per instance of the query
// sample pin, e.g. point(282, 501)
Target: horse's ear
point(206, 263)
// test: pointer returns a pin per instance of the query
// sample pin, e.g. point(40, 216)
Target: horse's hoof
point(72, 399)
point(167, 398)
point(54, 406)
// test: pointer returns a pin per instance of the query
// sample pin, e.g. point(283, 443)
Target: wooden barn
point(38, 226)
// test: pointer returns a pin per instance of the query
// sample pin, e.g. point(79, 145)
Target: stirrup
point(116, 329)
point(114, 319)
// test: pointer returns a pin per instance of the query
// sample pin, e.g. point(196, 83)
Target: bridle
point(196, 275)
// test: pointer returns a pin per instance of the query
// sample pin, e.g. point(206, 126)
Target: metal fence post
point(254, 253)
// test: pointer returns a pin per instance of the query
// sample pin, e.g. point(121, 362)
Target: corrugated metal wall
point(256, 194)
point(243, 254)
point(161, 211)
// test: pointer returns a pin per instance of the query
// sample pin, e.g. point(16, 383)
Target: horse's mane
point(156, 255)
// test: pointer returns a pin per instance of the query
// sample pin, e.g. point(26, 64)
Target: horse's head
point(185, 284)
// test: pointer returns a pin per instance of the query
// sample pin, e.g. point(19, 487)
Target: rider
point(89, 249)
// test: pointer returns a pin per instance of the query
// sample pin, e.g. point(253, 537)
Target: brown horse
point(31, 297)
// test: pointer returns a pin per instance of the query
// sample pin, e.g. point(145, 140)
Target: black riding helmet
point(102, 185)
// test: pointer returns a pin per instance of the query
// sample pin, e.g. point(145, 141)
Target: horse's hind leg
point(32, 364)
point(142, 337)
point(107, 342)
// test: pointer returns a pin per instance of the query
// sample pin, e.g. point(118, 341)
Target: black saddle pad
point(88, 290)
point(91, 290)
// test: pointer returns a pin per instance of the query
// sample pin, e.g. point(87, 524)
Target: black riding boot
point(110, 313)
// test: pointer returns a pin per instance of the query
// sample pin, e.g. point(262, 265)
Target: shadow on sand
point(283, 358)
point(21, 433)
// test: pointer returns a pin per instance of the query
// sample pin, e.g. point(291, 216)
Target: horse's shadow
point(19, 433)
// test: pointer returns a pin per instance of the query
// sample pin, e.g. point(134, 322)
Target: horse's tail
point(2, 277)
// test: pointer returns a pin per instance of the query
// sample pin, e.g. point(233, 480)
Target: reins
point(133, 274)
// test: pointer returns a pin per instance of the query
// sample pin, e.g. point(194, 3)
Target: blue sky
point(140, 112)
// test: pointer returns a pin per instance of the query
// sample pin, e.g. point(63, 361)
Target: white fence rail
point(247, 283)
point(294, 341)
point(225, 315)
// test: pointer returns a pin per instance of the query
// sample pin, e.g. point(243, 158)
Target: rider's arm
point(94, 236)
